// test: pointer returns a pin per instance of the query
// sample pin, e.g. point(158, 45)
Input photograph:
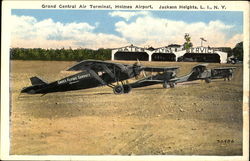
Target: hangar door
point(204, 57)
point(163, 57)
point(131, 56)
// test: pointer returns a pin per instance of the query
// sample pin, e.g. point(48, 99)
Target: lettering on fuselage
point(75, 78)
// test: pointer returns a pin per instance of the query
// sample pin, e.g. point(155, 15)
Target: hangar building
point(171, 52)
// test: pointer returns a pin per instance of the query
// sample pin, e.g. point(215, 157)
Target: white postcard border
point(5, 103)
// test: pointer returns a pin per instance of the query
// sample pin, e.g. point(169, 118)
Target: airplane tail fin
point(37, 81)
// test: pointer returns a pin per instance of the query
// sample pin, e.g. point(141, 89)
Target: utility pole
point(202, 39)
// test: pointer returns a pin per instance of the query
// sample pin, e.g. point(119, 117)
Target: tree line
point(238, 51)
point(83, 54)
point(59, 54)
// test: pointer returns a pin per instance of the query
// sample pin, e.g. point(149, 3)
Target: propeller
point(143, 71)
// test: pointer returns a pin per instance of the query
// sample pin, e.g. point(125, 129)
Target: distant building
point(164, 53)
point(151, 48)
point(175, 47)
point(202, 54)
point(131, 53)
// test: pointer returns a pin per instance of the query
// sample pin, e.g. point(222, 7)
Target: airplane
point(201, 72)
point(93, 73)
point(224, 72)
point(198, 72)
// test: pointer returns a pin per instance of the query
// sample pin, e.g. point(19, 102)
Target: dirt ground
point(194, 118)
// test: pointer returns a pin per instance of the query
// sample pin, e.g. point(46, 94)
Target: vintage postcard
point(125, 80)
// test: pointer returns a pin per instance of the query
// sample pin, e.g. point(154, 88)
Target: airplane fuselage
point(83, 80)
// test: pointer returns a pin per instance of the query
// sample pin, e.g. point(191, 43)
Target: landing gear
point(127, 88)
point(172, 84)
point(165, 85)
point(121, 89)
point(118, 89)
point(207, 80)
point(168, 84)
point(229, 77)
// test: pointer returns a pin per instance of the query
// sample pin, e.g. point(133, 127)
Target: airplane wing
point(95, 65)
point(159, 69)
point(144, 83)
point(224, 68)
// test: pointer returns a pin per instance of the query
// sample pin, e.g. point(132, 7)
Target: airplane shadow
point(146, 89)
point(188, 83)
point(53, 95)
point(26, 96)
point(102, 94)
point(178, 85)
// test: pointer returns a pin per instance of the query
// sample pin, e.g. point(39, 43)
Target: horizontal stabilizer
point(37, 81)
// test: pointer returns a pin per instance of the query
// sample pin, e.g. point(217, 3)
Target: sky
point(117, 28)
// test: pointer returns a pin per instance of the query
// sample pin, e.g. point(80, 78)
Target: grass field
point(192, 119)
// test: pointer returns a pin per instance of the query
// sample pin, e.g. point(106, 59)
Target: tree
point(238, 51)
point(59, 54)
point(188, 44)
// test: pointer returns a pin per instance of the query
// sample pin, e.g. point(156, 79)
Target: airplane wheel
point(118, 89)
point(229, 78)
point(207, 80)
point(172, 84)
point(127, 88)
point(165, 85)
